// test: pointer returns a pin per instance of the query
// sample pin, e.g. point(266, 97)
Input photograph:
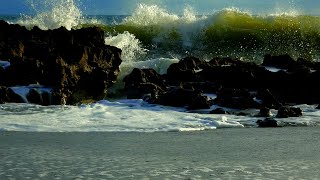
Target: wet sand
point(243, 153)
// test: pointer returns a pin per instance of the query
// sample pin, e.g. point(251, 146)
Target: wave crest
point(53, 14)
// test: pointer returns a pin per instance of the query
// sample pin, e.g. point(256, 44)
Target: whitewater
point(154, 37)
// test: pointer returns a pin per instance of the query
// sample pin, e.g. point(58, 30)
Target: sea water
point(152, 36)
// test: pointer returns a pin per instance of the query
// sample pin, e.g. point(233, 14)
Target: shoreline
point(273, 153)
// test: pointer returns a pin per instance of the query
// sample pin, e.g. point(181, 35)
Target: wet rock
point(144, 81)
point(242, 114)
point(268, 122)
point(219, 111)
point(264, 112)
point(224, 61)
point(139, 91)
point(178, 97)
point(199, 102)
point(205, 87)
point(235, 98)
point(138, 76)
point(7, 95)
point(237, 75)
point(34, 96)
point(76, 64)
point(285, 112)
point(184, 70)
point(2, 73)
point(268, 99)
point(281, 61)
point(46, 100)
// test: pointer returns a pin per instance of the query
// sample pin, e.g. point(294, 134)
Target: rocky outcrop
point(238, 84)
point(285, 112)
point(268, 122)
point(142, 82)
point(264, 112)
point(235, 98)
point(76, 64)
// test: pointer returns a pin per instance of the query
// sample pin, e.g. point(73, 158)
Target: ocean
point(154, 37)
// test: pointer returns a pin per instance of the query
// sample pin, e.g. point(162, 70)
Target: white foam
point(272, 69)
point(4, 64)
point(146, 15)
point(129, 116)
point(210, 96)
point(122, 115)
point(131, 46)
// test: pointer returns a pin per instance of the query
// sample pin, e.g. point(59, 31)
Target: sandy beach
point(239, 153)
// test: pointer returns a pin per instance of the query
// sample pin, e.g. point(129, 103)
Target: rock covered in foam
point(76, 64)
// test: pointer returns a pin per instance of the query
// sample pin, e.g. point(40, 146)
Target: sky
point(119, 7)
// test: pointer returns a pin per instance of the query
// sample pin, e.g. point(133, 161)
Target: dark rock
point(217, 61)
point(205, 87)
point(268, 122)
point(199, 102)
point(144, 81)
point(178, 97)
point(285, 112)
point(2, 74)
point(76, 64)
point(34, 96)
point(138, 76)
point(46, 101)
point(180, 74)
point(139, 91)
point(3, 95)
point(184, 70)
point(242, 114)
point(219, 111)
point(314, 65)
point(7, 95)
point(264, 112)
point(58, 97)
point(238, 75)
point(268, 99)
point(235, 98)
point(281, 61)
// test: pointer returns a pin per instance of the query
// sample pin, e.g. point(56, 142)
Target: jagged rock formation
point(237, 84)
point(76, 64)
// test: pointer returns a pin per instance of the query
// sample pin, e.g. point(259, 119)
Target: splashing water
point(53, 14)
point(169, 27)
point(130, 46)
point(146, 15)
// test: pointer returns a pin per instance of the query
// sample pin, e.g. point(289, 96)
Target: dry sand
point(244, 153)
